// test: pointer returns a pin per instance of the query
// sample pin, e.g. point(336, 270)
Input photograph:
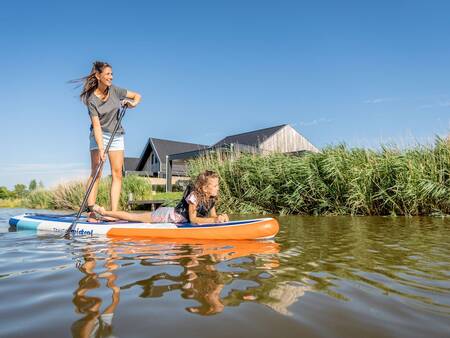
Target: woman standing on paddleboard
point(103, 101)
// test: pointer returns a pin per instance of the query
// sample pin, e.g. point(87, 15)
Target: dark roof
point(251, 138)
point(166, 147)
point(130, 163)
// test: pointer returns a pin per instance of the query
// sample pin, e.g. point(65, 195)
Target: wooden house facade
point(282, 138)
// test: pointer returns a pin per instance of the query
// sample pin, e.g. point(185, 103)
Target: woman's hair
point(200, 182)
point(90, 82)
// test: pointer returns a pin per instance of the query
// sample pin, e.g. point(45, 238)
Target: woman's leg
point(116, 162)
point(95, 160)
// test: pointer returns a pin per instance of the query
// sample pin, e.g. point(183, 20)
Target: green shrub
point(337, 181)
point(70, 195)
point(39, 199)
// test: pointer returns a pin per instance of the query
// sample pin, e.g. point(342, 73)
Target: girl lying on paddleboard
point(197, 205)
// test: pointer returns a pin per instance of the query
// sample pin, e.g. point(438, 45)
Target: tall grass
point(70, 195)
point(337, 181)
point(11, 203)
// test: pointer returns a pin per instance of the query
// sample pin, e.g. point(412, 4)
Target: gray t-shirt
point(107, 111)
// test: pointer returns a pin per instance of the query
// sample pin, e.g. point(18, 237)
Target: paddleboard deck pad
point(262, 228)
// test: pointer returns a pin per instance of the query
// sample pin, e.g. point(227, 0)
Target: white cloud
point(444, 104)
point(425, 106)
point(403, 140)
point(39, 168)
point(314, 122)
point(439, 103)
point(50, 173)
point(380, 100)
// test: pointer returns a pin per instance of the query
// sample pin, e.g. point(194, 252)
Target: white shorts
point(167, 215)
point(117, 144)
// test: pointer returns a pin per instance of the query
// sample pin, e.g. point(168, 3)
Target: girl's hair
point(200, 182)
point(90, 82)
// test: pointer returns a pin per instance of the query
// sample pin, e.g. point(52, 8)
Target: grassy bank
point(337, 181)
point(11, 203)
point(69, 196)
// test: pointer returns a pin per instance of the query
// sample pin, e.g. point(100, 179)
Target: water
point(322, 277)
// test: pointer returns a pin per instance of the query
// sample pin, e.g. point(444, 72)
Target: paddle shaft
point(97, 171)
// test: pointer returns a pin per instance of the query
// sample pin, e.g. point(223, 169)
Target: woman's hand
point(132, 99)
point(101, 153)
point(129, 103)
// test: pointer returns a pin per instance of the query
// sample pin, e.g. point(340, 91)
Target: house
point(166, 158)
point(152, 161)
point(282, 138)
point(130, 165)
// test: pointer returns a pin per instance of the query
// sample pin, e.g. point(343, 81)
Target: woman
point(103, 101)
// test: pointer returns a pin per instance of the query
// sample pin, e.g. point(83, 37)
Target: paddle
point(97, 171)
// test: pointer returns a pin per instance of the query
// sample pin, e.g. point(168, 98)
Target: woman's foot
point(101, 211)
point(96, 213)
point(98, 209)
point(92, 217)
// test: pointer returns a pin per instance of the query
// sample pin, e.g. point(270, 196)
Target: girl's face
point(211, 189)
point(105, 77)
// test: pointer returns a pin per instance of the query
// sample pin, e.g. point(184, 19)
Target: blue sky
point(358, 72)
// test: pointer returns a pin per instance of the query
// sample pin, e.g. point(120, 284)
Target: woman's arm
point(135, 99)
point(98, 135)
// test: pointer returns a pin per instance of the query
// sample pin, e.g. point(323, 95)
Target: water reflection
point(202, 278)
point(207, 267)
point(203, 283)
point(95, 323)
point(404, 257)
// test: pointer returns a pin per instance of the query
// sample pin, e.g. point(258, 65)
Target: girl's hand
point(222, 218)
point(129, 103)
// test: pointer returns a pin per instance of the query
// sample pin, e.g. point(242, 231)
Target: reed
point(39, 199)
point(338, 181)
point(11, 203)
point(70, 195)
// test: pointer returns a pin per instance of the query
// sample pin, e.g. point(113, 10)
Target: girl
point(103, 101)
point(197, 205)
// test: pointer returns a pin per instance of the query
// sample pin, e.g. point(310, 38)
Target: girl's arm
point(98, 135)
point(135, 99)
point(220, 218)
point(213, 212)
point(199, 220)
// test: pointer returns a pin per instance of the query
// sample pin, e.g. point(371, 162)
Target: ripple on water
point(324, 276)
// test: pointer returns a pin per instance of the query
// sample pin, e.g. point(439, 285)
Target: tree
point(20, 190)
point(4, 193)
point(41, 185)
point(33, 185)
